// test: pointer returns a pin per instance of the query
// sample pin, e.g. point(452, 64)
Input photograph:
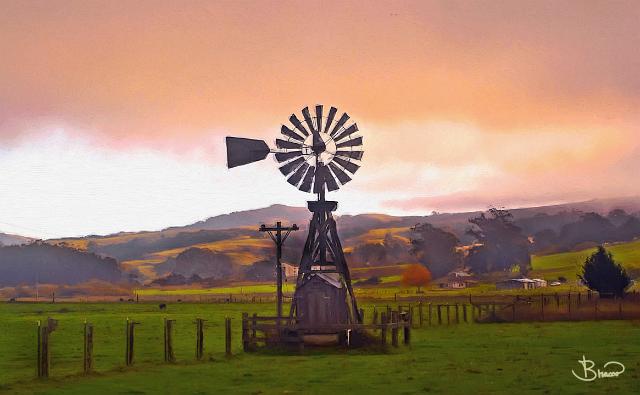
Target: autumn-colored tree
point(416, 275)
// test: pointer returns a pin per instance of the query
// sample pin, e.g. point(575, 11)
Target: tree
point(500, 243)
point(416, 275)
point(601, 273)
point(435, 249)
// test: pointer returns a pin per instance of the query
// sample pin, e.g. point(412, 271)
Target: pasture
point(464, 358)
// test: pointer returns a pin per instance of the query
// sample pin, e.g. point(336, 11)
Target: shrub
point(601, 273)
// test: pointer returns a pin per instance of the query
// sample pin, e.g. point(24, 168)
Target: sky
point(113, 114)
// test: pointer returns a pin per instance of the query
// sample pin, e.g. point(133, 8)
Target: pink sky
point(462, 103)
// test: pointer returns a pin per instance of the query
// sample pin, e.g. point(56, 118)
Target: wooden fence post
point(88, 348)
point(407, 332)
point(439, 315)
point(420, 314)
point(430, 308)
point(448, 318)
point(200, 339)
point(245, 335)
point(464, 312)
point(394, 328)
point(227, 336)
point(169, 355)
point(130, 336)
point(383, 328)
point(375, 315)
point(457, 314)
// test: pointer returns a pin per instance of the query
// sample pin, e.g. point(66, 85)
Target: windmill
point(316, 154)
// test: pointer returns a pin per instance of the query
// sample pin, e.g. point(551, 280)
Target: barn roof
point(332, 279)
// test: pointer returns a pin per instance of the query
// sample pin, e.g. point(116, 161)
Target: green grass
point(465, 358)
point(568, 264)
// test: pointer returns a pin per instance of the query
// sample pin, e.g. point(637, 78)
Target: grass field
point(465, 358)
point(568, 264)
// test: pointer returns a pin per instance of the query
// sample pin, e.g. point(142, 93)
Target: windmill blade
point(340, 174)
point(307, 119)
point(297, 176)
point(350, 143)
point(284, 144)
point(308, 179)
point(349, 166)
point(319, 117)
point(287, 168)
point(291, 134)
point(351, 154)
point(343, 119)
point(348, 131)
point(284, 156)
point(324, 176)
point(332, 113)
point(241, 151)
point(296, 122)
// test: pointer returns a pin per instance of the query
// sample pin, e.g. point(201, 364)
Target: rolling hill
point(150, 254)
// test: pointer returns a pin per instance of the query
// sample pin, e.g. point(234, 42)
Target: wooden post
point(375, 315)
point(448, 318)
point(254, 322)
point(245, 335)
point(200, 338)
point(579, 299)
point(227, 336)
point(394, 328)
point(464, 312)
point(169, 355)
point(542, 306)
point(407, 332)
point(557, 301)
point(39, 352)
point(473, 312)
point(620, 308)
point(383, 328)
point(130, 336)
point(420, 314)
point(439, 315)
point(430, 306)
point(457, 314)
point(569, 303)
point(88, 348)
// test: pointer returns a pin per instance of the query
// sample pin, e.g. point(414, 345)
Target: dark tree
point(601, 273)
point(435, 249)
point(500, 243)
point(591, 228)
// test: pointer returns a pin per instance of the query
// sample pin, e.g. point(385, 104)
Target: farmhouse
point(289, 271)
point(458, 280)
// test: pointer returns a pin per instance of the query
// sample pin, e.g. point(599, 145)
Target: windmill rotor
point(317, 150)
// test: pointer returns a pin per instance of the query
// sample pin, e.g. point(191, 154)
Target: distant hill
point(252, 218)
point(51, 264)
point(10, 240)
point(235, 235)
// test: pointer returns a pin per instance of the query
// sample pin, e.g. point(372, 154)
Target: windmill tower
point(315, 156)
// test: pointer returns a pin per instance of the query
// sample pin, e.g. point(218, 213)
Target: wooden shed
point(322, 301)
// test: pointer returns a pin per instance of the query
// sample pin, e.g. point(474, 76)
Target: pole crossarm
point(275, 232)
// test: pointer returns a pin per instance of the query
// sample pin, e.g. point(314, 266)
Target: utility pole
point(276, 235)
